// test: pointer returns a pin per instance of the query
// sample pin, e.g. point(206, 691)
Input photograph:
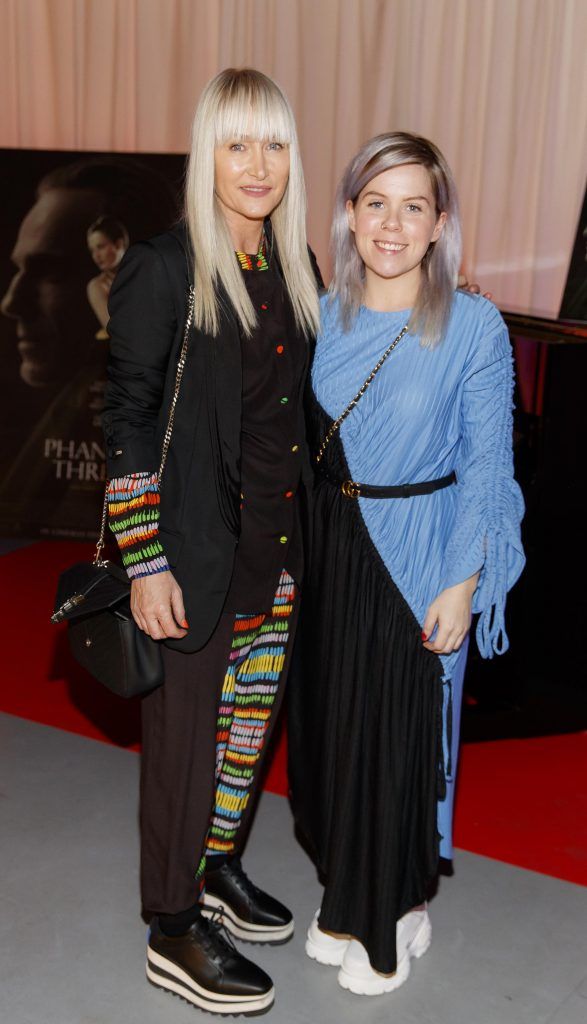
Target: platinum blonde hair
point(440, 266)
point(235, 104)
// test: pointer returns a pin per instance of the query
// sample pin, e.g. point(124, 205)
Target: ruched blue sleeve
point(489, 509)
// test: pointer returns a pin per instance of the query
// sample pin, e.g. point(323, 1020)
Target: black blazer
point(200, 489)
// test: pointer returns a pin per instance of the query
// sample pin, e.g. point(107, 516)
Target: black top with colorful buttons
point(274, 363)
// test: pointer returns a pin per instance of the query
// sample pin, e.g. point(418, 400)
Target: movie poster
point(574, 304)
point(66, 221)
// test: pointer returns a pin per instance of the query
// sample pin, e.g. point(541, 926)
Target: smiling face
point(394, 220)
point(250, 179)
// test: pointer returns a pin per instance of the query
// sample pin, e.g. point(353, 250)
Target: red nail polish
point(185, 624)
point(424, 637)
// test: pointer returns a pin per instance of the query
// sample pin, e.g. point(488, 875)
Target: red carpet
point(520, 801)
point(525, 802)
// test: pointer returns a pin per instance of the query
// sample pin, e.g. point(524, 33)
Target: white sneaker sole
point(244, 929)
point(329, 954)
point(166, 975)
point(332, 958)
point(374, 984)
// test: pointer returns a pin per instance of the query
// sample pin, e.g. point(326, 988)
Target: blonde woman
point(215, 554)
point(416, 525)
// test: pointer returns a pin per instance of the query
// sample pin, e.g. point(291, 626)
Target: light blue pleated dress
point(368, 714)
point(429, 412)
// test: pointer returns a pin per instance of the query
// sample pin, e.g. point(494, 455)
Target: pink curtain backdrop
point(500, 85)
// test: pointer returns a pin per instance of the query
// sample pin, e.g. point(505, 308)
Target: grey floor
point(509, 945)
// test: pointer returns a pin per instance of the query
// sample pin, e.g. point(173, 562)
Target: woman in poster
point(415, 525)
point(107, 243)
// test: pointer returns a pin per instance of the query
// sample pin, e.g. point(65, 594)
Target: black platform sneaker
point(204, 968)
point(246, 911)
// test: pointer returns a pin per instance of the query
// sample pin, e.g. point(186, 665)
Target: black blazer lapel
point(225, 412)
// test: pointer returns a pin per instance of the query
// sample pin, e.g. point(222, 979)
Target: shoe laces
point(218, 938)
point(236, 869)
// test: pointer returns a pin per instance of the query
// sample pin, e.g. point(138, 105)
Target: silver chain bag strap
point(94, 597)
point(338, 422)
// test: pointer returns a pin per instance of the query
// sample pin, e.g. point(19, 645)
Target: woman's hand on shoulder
point(156, 603)
point(450, 615)
point(473, 288)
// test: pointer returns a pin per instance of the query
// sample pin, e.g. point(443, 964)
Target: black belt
point(350, 489)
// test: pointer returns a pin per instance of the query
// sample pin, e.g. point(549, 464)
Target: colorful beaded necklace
point(260, 263)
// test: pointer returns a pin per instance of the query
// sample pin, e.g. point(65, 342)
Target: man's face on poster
point(47, 295)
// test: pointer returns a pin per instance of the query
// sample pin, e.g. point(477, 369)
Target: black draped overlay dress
point(365, 724)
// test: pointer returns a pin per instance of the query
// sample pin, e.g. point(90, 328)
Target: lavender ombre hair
point(441, 263)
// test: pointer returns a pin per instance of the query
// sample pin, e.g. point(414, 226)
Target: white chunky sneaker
point(323, 946)
point(413, 935)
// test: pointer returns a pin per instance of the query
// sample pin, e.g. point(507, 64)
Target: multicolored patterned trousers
point(251, 682)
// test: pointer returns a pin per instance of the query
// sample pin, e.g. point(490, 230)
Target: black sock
point(218, 860)
point(174, 925)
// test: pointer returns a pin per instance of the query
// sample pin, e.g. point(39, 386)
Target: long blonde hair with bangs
point(235, 104)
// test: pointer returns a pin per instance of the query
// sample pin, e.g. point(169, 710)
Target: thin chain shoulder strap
point(178, 379)
point(168, 430)
point(338, 423)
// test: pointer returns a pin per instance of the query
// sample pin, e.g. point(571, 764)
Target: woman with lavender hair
point(415, 526)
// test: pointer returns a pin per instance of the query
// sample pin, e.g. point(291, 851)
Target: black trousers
point(178, 771)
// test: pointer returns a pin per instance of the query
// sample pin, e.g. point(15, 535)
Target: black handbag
point(94, 599)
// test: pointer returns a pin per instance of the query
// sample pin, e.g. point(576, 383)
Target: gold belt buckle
point(350, 489)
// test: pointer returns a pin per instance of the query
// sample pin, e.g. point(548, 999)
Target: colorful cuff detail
point(133, 516)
